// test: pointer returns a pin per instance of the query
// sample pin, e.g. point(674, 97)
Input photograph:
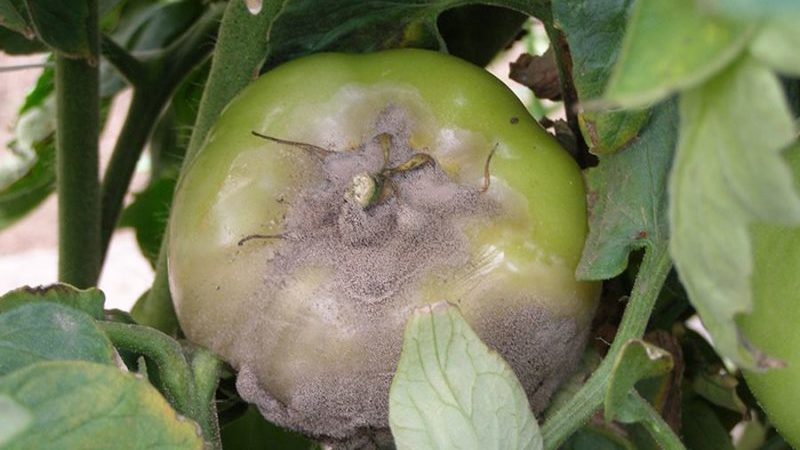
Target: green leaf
point(636, 361)
point(478, 32)
point(752, 9)
point(14, 419)
point(627, 197)
point(597, 437)
point(90, 301)
point(148, 216)
point(78, 404)
point(165, 24)
point(728, 174)
point(146, 27)
point(152, 312)
point(670, 46)
point(48, 331)
point(310, 26)
point(45, 86)
point(11, 17)
point(451, 391)
point(63, 26)
point(28, 177)
point(719, 389)
point(594, 31)
point(172, 133)
point(14, 43)
point(702, 428)
point(26, 181)
point(777, 42)
point(252, 432)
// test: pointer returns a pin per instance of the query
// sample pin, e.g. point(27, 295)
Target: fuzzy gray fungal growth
point(324, 366)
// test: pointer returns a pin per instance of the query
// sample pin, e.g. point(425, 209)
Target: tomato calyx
point(366, 189)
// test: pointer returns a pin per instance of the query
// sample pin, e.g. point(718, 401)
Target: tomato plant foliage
point(675, 186)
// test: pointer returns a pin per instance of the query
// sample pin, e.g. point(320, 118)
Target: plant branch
point(241, 50)
point(569, 93)
point(77, 166)
point(656, 425)
point(154, 80)
point(161, 352)
point(207, 370)
point(142, 114)
point(577, 411)
point(176, 377)
point(127, 65)
point(242, 47)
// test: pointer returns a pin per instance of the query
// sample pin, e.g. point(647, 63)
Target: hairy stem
point(185, 384)
point(77, 166)
point(139, 123)
point(241, 49)
point(207, 370)
point(575, 413)
point(127, 65)
point(656, 425)
point(153, 80)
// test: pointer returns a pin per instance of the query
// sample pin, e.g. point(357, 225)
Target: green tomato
point(772, 327)
point(297, 256)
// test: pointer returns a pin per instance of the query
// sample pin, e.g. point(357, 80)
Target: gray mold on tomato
point(357, 270)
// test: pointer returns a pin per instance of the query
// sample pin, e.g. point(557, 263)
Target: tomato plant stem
point(569, 93)
point(240, 51)
point(127, 65)
point(77, 166)
point(141, 119)
point(659, 429)
point(153, 80)
point(188, 385)
point(577, 411)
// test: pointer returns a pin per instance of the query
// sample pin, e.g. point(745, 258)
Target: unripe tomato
point(297, 254)
point(774, 325)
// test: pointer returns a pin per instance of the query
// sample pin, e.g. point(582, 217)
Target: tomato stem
point(153, 80)
point(77, 167)
point(240, 50)
point(189, 383)
point(577, 411)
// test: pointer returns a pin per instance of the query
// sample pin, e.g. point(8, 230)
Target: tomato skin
point(774, 324)
point(240, 185)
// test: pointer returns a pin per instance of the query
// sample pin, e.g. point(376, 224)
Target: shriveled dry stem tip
point(486, 175)
point(311, 148)
point(259, 236)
